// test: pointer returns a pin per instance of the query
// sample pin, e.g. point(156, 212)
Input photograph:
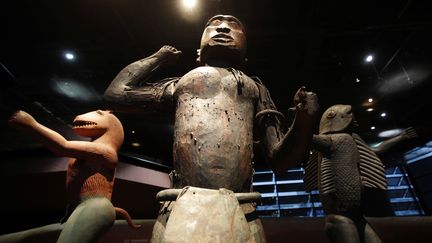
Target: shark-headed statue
point(90, 174)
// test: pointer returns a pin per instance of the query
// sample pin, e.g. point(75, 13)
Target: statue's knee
point(341, 229)
point(338, 219)
point(334, 221)
point(100, 209)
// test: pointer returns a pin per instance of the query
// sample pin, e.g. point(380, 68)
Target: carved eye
point(215, 22)
point(99, 112)
point(331, 114)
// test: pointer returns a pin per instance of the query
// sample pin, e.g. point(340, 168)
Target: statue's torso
point(213, 134)
point(343, 161)
point(87, 179)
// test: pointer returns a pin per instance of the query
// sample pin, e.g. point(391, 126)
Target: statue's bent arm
point(62, 147)
point(287, 150)
point(129, 89)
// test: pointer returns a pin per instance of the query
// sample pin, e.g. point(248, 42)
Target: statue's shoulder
point(265, 100)
point(164, 82)
point(258, 82)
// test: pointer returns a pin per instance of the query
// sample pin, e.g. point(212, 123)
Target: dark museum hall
point(57, 58)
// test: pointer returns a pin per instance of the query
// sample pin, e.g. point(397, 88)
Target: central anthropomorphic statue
point(218, 108)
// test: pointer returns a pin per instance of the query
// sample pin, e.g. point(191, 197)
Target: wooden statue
point(217, 109)
point(90, 174)
point(341, 166)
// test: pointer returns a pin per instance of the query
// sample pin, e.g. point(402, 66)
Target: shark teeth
point(81, 124)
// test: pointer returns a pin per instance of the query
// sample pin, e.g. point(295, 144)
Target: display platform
point(278, 230)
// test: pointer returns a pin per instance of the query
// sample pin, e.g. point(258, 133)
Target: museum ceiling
point(320, 44)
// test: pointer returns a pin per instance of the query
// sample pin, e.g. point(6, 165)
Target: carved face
point(336, 119)
point(223, 37)
point(97, 123)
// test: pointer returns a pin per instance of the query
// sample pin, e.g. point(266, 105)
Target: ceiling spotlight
point(132, 131)
point(390, 133)
point(369, 109)
point(189, 3)
point(73, 89)
point(369, 58)
point(383, 114)
point(135, 144)
point(69, 56)
point(372, 128)
point(370, 100)
point(357, 80)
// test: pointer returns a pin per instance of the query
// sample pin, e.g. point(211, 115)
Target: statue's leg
point(89, 221)
point(255, 224)
point(33, 235)
point(341, 229)
point(257, 231)
point(161, 221)
point(370, 235)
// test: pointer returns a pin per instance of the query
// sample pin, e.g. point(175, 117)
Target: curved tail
point(125, 215)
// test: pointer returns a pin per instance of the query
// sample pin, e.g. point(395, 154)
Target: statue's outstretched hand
point(169, 54)
point(409, 133)
point(306, 101)
point(21, 119)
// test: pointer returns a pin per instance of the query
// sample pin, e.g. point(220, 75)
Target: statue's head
point(98, 123)
point(223, 39)
point(337, 118)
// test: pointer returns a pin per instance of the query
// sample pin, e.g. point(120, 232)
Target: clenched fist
point(168, 54)
point(306, 101)
point(21, 119)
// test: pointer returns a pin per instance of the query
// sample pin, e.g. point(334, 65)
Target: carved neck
point(110, 139)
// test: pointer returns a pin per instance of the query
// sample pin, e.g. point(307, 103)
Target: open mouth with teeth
point(83, 124)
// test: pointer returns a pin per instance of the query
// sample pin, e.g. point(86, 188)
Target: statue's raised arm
point(386, 145)
point(288, 149)
point(129, 90)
